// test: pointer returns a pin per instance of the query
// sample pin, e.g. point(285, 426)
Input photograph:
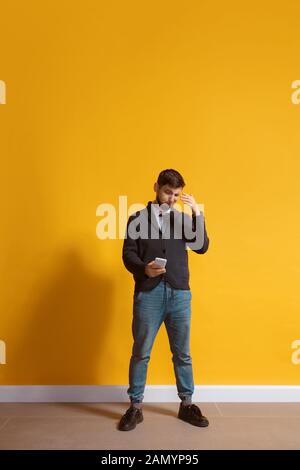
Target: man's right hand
point(152, 270)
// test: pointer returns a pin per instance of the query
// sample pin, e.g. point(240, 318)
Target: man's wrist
point(196, 212)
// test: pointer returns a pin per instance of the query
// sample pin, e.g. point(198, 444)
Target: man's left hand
point(190, 201)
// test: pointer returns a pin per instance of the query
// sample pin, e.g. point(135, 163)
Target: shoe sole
point(199, 425)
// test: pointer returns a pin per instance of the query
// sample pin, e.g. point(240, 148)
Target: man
point(162, 294)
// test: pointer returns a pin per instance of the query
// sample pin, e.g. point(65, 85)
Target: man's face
point(167, 194)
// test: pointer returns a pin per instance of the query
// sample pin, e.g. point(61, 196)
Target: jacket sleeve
point(131, 259)
point(200, 242)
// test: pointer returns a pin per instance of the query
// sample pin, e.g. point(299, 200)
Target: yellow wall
point(101, 96)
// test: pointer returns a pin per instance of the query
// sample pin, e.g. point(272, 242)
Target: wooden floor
point(94, 426)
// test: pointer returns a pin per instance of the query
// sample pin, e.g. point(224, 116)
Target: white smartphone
point(161, 262)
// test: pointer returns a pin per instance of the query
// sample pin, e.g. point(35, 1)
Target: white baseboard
point(153, 393)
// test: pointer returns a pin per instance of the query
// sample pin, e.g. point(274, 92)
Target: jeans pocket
point(188, 294)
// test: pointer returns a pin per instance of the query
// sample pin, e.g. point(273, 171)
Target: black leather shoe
point(130, 419)
point(192, 414)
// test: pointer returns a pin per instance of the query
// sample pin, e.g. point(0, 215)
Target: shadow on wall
point(65, 329)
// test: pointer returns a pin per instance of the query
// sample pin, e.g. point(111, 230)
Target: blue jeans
point(150, 309)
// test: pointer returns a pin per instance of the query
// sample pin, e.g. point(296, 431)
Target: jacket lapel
point(154, 224)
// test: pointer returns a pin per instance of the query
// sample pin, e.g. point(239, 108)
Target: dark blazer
point(144, 240)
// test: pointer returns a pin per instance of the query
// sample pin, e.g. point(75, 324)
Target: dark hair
point(170, 177)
